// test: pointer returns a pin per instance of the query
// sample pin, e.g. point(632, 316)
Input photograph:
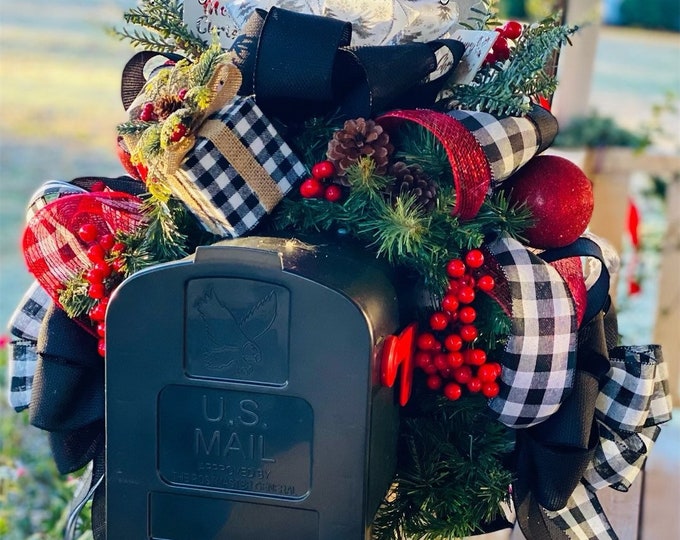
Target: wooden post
point(575, 69)
point(610, 170)
point(667, 327)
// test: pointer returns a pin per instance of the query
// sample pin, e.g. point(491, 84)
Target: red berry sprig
point(446, 352)
point(500, 51)
point(315, 188)
point(105, 272)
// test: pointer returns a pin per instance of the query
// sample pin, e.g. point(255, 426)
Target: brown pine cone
point(356, 139)
point(165, 105)
point(412, 180)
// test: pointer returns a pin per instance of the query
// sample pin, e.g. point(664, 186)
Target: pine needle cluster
point(508, 89)
point(158, 25)
point(396, 228)
point(451, 475)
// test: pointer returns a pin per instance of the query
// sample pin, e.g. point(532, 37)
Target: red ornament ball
point(559, 196)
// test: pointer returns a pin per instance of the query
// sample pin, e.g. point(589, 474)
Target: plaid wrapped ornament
point(238, 171)
point(216, 152)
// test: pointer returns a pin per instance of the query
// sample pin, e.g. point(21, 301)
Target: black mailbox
point(243, 396)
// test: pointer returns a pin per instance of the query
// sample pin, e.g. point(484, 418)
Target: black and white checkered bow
point(633, 401)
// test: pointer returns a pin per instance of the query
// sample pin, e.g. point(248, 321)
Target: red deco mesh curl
point(469, 165)
point(53, 251)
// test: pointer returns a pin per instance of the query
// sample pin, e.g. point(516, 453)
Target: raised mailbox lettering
point(235, 441)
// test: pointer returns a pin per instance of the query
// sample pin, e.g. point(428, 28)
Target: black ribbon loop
point(68, 391)
point(598, 293)
point(555, 454)
point(301, 65)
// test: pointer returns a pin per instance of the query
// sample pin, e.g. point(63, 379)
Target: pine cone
point(356, 139)
point(165, 105)
point(412, 180)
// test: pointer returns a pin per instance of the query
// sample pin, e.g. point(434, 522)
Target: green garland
point(451, 477)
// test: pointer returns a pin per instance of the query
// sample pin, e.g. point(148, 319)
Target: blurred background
point(60, 103)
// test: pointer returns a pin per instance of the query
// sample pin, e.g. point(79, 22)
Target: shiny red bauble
point(559, 196)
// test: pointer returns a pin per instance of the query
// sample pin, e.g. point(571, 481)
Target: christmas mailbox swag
point(441, 347)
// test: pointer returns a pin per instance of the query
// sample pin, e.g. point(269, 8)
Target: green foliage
point(451, 479)
point(395, 227)
point(34, 498)
point(659, 15)
point(161, 240)
point(506, 90)
point(157, 25)
point(596, 131)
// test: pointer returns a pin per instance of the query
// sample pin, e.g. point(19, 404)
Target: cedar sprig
point(157, 25)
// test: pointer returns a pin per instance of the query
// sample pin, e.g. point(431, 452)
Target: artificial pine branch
point(160, 240)
point(437, 494)
point(484, 17)
point(507, 90)
point(74, 299)
point(157, 25)
point(205, 66)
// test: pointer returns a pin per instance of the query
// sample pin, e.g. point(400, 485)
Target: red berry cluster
point(315, 188)
point(148, 113)
point(446, 353)
point(500, 51)
point(104, 252)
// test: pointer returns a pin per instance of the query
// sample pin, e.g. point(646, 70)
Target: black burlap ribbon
point(301, 65)
point(68, 399)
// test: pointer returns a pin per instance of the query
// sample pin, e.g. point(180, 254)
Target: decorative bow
point(301, 65)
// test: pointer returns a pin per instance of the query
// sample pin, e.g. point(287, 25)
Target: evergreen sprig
point(157, 25)
point(451, 477)
point(161, 240)
point(507, 90)
point(74, 299)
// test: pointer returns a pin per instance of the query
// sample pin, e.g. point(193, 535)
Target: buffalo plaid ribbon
point(24, 324)
point(509, 142)
point(239, 169)
point(24, 327)
point(539, 358)
point(633, 401)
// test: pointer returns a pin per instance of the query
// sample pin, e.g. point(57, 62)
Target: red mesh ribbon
point(53, 251)
point(469, 165)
